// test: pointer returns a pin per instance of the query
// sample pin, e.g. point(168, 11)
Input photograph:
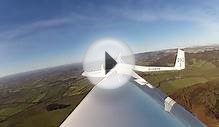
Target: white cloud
point(26, 29)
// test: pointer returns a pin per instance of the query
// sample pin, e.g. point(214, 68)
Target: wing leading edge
point(128, 106)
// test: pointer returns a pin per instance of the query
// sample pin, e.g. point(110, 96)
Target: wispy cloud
point(205, 15)
point(29, 28)
point(200, 13)
point(40, 25)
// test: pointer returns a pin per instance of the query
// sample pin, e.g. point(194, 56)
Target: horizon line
point(80, 62)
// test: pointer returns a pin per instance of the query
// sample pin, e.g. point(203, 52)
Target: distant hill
point(196, 49)
point(41, 74)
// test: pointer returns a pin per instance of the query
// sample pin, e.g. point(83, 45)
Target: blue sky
point(43, 33)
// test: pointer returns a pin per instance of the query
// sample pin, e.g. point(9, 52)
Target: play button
point(101, 62)
point(110, 63)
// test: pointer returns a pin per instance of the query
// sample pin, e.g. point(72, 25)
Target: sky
point(37, 34)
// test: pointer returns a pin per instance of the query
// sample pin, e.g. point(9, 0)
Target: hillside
point(41, 98)
point(196, 87)
point(202, 100)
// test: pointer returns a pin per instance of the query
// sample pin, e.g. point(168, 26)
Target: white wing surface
point(132, 105)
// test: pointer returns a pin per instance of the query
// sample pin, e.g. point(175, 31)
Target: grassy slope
point(24, 103)
point(38, 116)
point(202, 100)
